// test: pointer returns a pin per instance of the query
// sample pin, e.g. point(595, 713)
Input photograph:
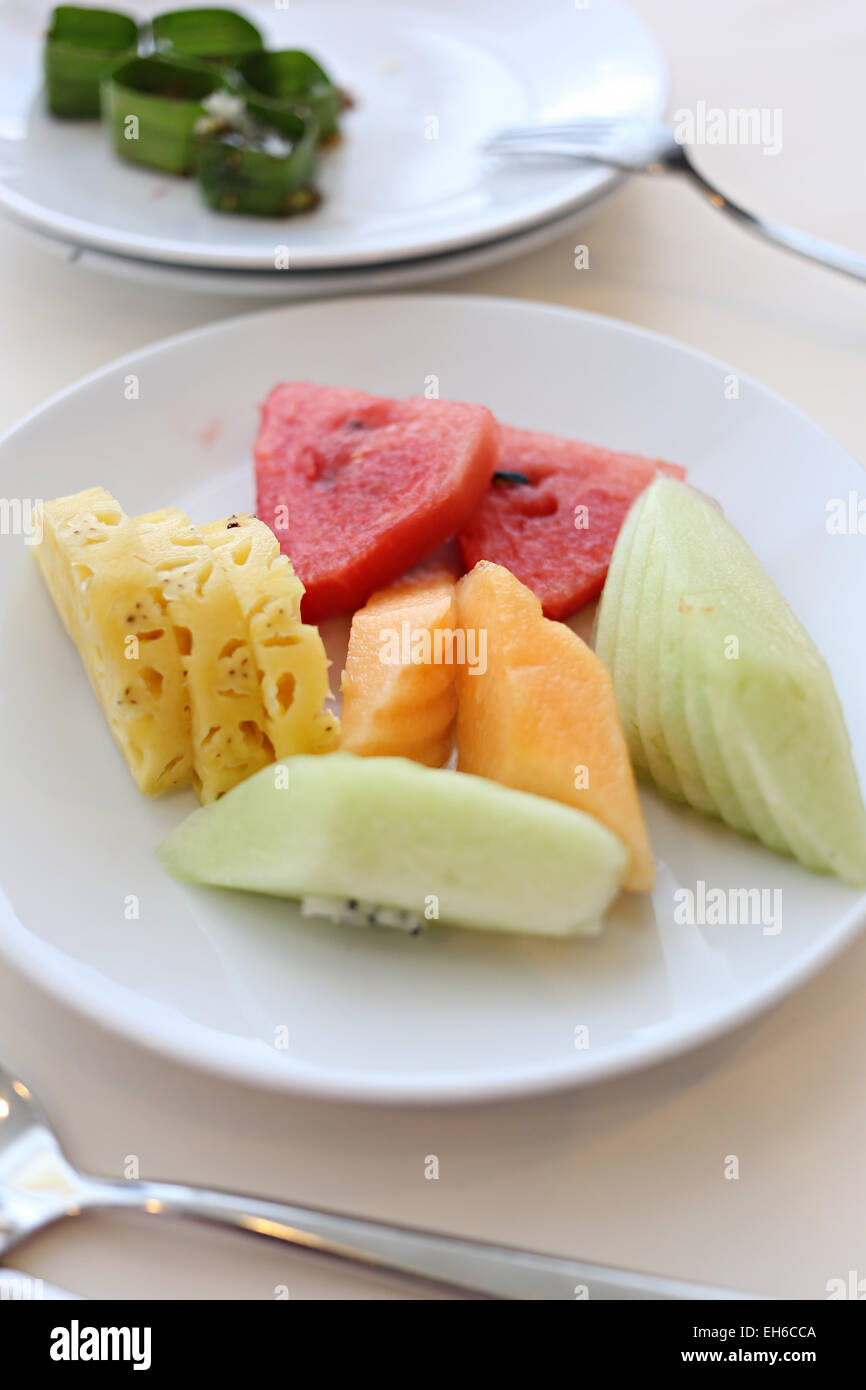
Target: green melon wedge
point(651, 678)
point(615, 633)
point(438, 844)
point(708, 623)
point(677, 697)
point(752, 692)
point(686, 710)
point(696, 715)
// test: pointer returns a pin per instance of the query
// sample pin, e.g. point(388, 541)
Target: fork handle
point(811, 248)
point(554, 142)
point(469, 1267)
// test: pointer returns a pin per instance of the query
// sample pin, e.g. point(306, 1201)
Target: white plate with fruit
point(347, 915)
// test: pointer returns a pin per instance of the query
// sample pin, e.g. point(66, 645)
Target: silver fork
point(648, 147)
point(39, 1186)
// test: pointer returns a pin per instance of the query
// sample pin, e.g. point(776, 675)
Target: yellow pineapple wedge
point(289, 654)
point(229, 739)
point(110, 600)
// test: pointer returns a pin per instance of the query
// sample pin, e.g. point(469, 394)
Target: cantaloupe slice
point(399, 697)
point(542, 716)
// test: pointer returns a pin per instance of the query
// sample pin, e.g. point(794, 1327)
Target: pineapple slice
point(229, 739)
point(289, 654)
point(109, 598)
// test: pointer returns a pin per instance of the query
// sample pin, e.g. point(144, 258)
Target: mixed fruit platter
point(196, 92)
point(481, 769)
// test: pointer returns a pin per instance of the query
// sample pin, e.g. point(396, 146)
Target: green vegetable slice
point(247, 168)
point(151, 106)
point(277, 85)
point(82, 47)
point(215, 35)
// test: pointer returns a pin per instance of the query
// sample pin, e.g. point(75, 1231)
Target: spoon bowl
point(38, 1184)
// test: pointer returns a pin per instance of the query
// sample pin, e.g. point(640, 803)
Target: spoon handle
point(470, 1267)
point(811, 248)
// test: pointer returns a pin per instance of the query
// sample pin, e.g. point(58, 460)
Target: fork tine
point(572, 150)
point(589, 128)
point(502, 141)
point(507, 143)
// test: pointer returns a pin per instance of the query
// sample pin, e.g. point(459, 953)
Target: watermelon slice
point(556, 530)
point(359, 488)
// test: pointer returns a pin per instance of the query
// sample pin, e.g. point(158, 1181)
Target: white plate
point(317, 284)
point(207, 977)
point(390, 191)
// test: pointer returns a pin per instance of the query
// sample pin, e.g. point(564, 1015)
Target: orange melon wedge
point(541, 716)
point(399, 696)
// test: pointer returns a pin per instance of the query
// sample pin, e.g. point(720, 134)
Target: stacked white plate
point(408, 194)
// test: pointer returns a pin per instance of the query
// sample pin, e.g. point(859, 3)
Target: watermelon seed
point(504, 475)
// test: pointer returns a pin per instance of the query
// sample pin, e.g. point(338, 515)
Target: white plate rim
point(312, 284)
point(207, 1050)
point(216, 1056)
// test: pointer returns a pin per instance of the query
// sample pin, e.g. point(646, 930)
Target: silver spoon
point(39, 1186)
point(648, 147)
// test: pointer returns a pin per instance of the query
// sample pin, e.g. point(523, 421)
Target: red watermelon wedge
point(359, 488)
point(556, 530)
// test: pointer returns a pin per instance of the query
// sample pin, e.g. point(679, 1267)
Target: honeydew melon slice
point(700, 734)
point(777, 824)
point(610, 610)
point(678, 699)
point(793, 826)
point(682, 694)
point(679, 683)
point(750, 783)
point(771, 710)
point(650, 678)
point(438, 844)
point(616, 627)
point(723, 713)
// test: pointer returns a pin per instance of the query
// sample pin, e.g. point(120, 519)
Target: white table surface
point(630, 1172)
